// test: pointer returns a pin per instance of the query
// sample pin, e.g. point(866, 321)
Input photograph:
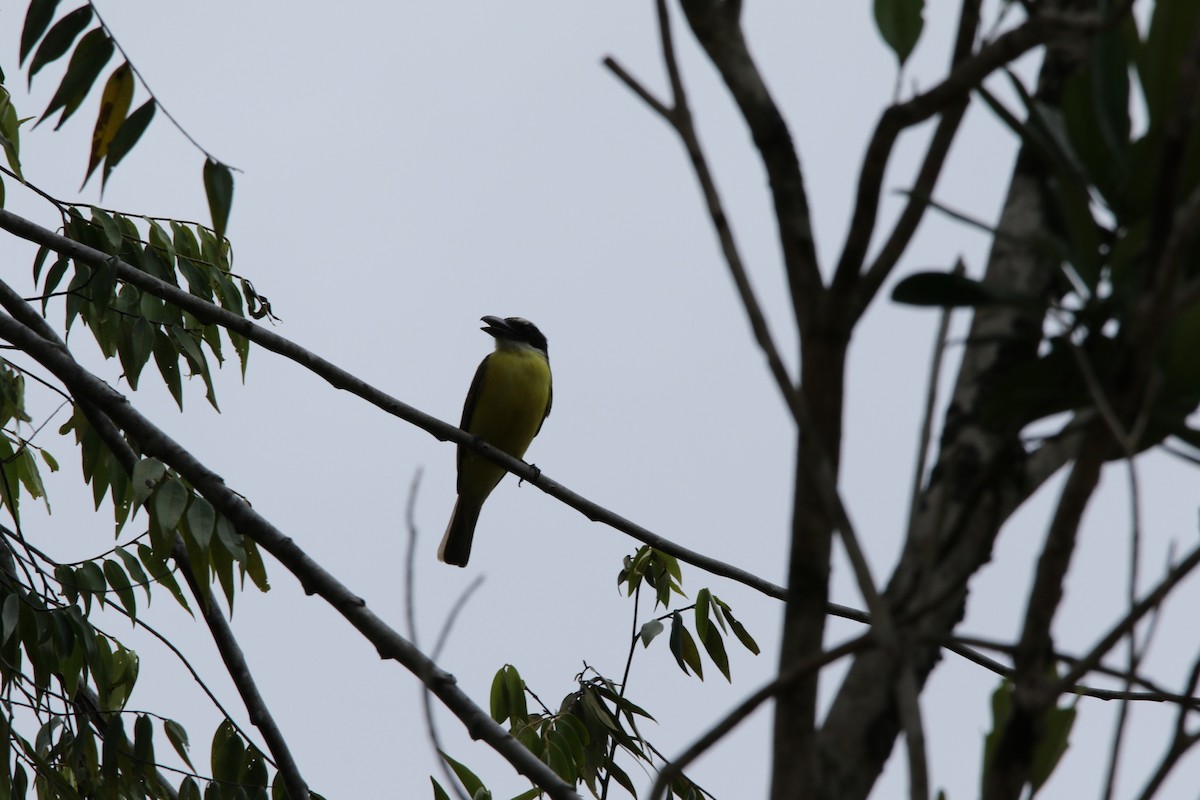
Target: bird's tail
point(456, 544)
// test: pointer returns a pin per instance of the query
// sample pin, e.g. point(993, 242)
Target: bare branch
point(717, 27)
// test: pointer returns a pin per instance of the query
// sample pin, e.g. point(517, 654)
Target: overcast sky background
point(411, 167)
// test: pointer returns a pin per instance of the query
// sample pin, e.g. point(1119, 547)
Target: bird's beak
point(496, 326)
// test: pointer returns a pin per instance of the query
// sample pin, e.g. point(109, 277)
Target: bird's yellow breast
point(512, 400)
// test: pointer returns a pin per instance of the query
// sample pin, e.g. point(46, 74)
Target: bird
point(509, 400)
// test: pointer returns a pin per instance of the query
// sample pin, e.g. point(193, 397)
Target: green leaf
point(37, 20)
point(161, 574)
point(515, 687)
point(254, 565)
point(218, 186)
point(498, 701)
point(715, 645)
point(134, 568)
point(1001, 703)
point(146, 474)
point(1052, 746)
point(9, 617)
point(227, 753)
point(438, 792)
point(738, 630)
point(200, 520)
point(59, 39)
point(166, 356)
point(650, 630)
point(53, 278)
point(683, 647)
point(468, 779)
point(170, 500)
point(114, 108)
point(900, 23)
point(703, 599)
point(93, 52)
point(945, 289)
point(126, 137)
point(119, 581)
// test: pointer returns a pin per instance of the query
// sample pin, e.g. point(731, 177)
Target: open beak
point(496, 326)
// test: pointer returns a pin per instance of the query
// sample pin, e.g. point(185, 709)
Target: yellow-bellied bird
point(509, 399)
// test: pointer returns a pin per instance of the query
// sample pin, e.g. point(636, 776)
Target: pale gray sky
point(411, 167)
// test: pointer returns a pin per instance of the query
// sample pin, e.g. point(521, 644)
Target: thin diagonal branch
point(341, 379)
point(716, 25)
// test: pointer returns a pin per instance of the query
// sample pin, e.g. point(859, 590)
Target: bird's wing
point(469, 406)
point(549, 402)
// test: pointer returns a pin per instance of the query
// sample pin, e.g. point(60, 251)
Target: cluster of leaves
point(712, 616)
point(1112, 196)
point(597, 721)
point(579, 742)
point(70, 683)
point(134, 325)
point(116, 131)
point(1050, 748)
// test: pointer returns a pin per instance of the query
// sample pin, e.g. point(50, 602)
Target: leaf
point(703, 600)
point(92, 53)
point(170, 500)
point(649, 631)
point(438, 792)
point(114, 108)
point(738, 630)
point(59, 39)
point(227, 752)
point(126, 137)
point(900, 23)
point(468, 779)
point(942, 289)
point(683, 647)
point(134, 568)
point(166, 356)
point(200, 520)
point(218, 187)
point(9, 617)
point(498, 704)
point(1052, 746)
point(37, 19)
point(120, 584)
point(715, 645)
point(146, 475)
point(141, 344)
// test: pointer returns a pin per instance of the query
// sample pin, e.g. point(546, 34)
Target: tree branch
point(717, 27)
